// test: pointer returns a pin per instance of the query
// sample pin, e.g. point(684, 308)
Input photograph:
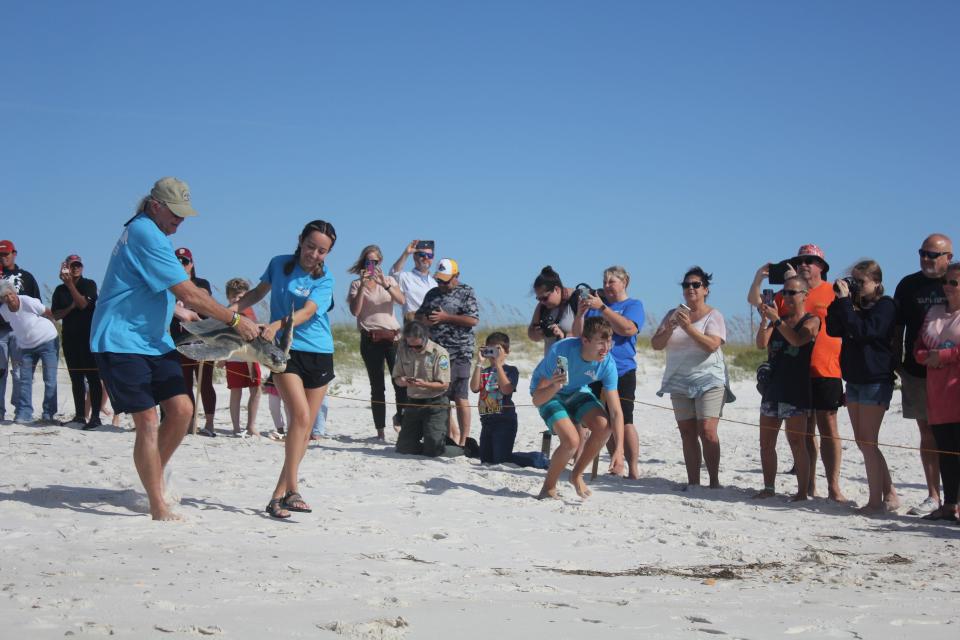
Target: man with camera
point(450, 310)
point(915, 294)
point(825, 374)
point(25, 284)
point(414, 284)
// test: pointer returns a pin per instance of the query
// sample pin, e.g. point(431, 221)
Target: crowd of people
point(829, 344)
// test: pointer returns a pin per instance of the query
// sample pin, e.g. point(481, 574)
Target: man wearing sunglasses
point(25, 284)
point(73, 303)
point(423, 368)
point(915, 294)
point(825, 375)
point(129, 338)
point(414, 284)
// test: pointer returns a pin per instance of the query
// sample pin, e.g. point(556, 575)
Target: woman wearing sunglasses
point(865, 320)
point(789, 341)
point(938, 349)
point(300, 282)
point(695, 375)
point(371, 299)
point(555, 311)
point(193, 370)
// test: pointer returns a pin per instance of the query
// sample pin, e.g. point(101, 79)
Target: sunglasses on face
point(544, 297)
point(76, 265)
point(950, 283)
point(422, 254)
point(184, 261)
point(4, 255)
point(793, 292)
point(806, 260)
point(415, 347)
point(691, 285)
point(932, 255)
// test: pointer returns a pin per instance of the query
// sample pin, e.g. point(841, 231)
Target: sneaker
point(74, 420)
point(48, 420)
point(927, 506)
point(93, 424)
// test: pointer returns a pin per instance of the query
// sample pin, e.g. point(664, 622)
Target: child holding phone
point(496, 383)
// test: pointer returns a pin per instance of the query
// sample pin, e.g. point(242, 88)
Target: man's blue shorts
point(136, 382)
point(574, 407)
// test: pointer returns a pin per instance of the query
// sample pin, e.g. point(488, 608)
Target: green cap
point(175, 194)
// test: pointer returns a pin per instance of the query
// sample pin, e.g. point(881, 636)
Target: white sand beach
point(408, 547)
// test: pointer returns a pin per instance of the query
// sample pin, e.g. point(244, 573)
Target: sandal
point(208, 431)
point(275, 509)
point(293, 501)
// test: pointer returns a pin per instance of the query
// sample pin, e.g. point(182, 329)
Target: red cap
point(6, 246)
point(73, 258)
point(183, 252)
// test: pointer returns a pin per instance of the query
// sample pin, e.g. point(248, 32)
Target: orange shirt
point(825, 361)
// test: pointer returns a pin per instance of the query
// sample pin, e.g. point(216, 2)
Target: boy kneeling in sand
point(423, 367)
point(560, 391)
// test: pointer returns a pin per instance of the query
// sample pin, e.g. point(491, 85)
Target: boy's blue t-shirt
point(580, 373)
point(624, 350)
point(295, 289)
point(135, 305)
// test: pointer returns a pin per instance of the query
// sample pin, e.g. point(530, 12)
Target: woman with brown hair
point(371, 299)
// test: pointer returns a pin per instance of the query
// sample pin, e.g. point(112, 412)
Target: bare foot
point(716, 485)
point(548, 493)
point(634, 473)
point(764, 493)
point(581, 487)
point(252, 432)
point(380, 435)
point(799, 497)
point(891, 502)
point(166, 515)
point(871, 509)
point(837, 496)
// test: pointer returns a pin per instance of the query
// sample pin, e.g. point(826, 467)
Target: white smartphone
point(562, 365)
point(685, 307)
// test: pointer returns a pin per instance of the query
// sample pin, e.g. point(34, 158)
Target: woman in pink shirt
point(371, 299)
point(938, 349)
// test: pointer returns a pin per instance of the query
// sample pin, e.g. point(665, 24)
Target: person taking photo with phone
point(695, 374)
point(865, 319)
point(414, 284)
point(371, 299)
point(423, 369)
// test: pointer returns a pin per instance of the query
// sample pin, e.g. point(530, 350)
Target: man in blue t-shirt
point(560, 389)
point(129, 339)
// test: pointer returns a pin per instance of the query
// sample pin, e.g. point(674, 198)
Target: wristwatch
point(778, 322)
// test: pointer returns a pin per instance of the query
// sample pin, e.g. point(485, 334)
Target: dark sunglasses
point(951, 283)
point(793, 292)
point(423, 254)
point(807, 260)
point(184, 261)
point(932, 255)
point(74, 265)
point(691, 285)
point(4, 255)
point(415, 347)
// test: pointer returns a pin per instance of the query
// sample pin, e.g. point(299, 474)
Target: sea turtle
point(214, 340)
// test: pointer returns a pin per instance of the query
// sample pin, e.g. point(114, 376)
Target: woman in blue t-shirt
point(625, 315)
point(301, 283)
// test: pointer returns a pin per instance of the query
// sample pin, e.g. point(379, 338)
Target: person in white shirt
point(414, 284)
point(37, 339)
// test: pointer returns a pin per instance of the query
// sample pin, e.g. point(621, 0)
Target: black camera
point(852, 285)
point(546, 322)
point(583, 290)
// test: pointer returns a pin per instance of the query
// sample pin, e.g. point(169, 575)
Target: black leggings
point(374, 355)
point(948, 439)
point(82, 367)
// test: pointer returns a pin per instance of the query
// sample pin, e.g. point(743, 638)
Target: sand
point(408, 547)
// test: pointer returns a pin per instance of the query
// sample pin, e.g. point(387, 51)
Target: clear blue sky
point(515, 134)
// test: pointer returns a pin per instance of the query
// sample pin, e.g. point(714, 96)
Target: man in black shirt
point(25, 284)
point(915, 294)
point(73, 303)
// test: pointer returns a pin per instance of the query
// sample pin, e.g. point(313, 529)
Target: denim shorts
point(878, 393)
point(137, 382)
point(781, 410)
point(574, 407)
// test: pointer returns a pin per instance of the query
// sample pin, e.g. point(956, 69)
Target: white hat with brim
point(175, 194)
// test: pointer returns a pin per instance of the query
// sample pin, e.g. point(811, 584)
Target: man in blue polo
point(129, 338)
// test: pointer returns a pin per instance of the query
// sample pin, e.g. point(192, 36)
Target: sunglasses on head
point(793, 292)
point(696, 284)
point(950, 283)
point(424, 254)
point(932, 255)
point(184, 261)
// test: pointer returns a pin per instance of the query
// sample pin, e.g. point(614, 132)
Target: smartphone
point(410, 379)
point(371, 267)
point(562, 365)
point(685, 307)
point(778, 272)
point(424, 245)
point(489, 352)
point(64, 267)
point(767, 295)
